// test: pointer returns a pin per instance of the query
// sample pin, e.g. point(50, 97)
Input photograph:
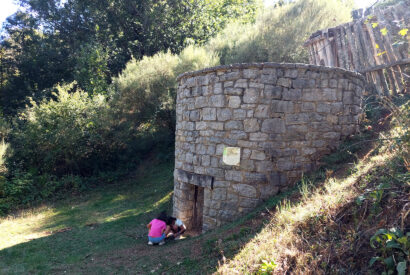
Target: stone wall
point(283, 117)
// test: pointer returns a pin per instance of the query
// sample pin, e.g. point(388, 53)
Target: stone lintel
point(194, 179)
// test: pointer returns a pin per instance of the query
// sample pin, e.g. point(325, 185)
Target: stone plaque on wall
point(232, 155)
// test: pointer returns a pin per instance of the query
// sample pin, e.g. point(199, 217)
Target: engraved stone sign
point(232, 155)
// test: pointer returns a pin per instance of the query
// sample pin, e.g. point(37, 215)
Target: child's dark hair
point(163, 216)
point(171, 220)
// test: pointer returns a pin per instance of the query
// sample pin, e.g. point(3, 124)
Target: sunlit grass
point(23, 228)
point(102, 206)
point(279, 237)
point(3, 149)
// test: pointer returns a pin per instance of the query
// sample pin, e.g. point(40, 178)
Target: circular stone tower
point(246, 131)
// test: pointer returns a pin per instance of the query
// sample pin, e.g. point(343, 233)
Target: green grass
point(71, 233)
point(103, 231)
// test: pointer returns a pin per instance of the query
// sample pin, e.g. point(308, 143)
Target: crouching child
point(157, 230)
point(177, 228)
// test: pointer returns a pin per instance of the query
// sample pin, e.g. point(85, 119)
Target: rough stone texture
point(282, 120)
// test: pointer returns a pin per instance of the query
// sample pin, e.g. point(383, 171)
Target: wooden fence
point(371, 45)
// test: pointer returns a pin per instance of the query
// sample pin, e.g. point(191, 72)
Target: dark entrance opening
point(197, 215)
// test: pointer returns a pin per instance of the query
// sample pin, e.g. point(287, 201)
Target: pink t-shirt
point(157, 226)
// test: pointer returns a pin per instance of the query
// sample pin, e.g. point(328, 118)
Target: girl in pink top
point(157, 229)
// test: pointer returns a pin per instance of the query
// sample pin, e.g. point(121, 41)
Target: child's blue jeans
point(157, 239)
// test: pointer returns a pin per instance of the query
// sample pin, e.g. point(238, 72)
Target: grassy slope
point(317, 229)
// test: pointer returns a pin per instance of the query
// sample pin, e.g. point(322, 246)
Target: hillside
point(323, 225)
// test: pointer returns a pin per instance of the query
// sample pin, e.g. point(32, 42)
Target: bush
point(279, 33)
point(60, 136)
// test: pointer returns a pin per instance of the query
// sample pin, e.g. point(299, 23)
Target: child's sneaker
point(150, 243)
point(161, 243)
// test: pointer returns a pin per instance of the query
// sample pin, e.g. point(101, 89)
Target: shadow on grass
point(106, 233)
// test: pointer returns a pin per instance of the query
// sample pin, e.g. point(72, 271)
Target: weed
point(266, 267)
point(394, 249)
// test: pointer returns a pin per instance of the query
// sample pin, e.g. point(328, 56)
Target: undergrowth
point(345, 218)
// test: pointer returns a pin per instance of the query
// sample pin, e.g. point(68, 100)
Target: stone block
point(234, 102)
point(221, 184)
point(228, 84)
point(324, 83)
point(224, 114)
point(241, 83)
point(209, 114)
point(230, 76)
point(268, 79)
point(219, 126)
point(258, 155)
point(248, 202)
point(272, 92)
point(258, 137)
point(255, 178)
point(219, 194)
point(205, 160)
point(292, 94)
point(306, 151)
point(312, 95)
point(268, 190)
point(331, 135)
point(247, 165)
point(263, 166)
point(251, 125)
point(274, 125)
point(285, 164)
point(232, 175)
point(262, 111)
point(299, 83)
point(256, 85)
point(308, 107)
point(292, 73)
point(218, 88)
point(217, 101)
point(233, 91)
point(220, 149)
point(251, 95)
point(234, 125)
point(239, 114)
point(250, 73)
point(271, 71)
point(246, 153)
point(280, 106)
point(245, 190)
point(194, 115)
point(348, 98)
point(299, 118)
point(284, 82)
point(329, 94)
point(214, 162)
point(201, 125)
point(332, 119)
point(215, 172)
point(237, 134)
point(333, 83)
point(201, 102)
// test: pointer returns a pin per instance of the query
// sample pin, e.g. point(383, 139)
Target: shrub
point(279, 33)
point(60, 136)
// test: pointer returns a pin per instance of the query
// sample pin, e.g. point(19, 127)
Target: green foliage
point(279, 33)
point(146, 88)
point(266, 267)
point(393, 247)
point(91, 40)
point(60, 136)
point(91, 70)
